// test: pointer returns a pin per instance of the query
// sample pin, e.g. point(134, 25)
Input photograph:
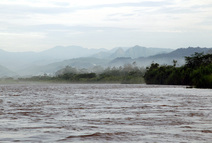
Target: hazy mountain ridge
point(182, 52)
point(165, 58)
point(69, 52)
point(95, 61)
point(81, 63)
point(91, 62)
point(133, 52)
point(5, 72)
point(19, 61)
point(52, 60)
point(138, 51)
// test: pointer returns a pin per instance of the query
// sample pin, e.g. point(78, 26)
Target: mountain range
point(133, 52)
point(54, 59)
point(164, 58)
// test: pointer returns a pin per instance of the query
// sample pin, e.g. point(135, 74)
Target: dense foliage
point(126, 74)
point(196, 72)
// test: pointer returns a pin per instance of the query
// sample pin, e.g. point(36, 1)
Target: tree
point(174, 63)
point(196, 72)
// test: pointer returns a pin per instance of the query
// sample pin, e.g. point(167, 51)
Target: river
point(104, 113)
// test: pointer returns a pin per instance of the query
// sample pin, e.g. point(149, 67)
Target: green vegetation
point(197, 72)
point(128, 74)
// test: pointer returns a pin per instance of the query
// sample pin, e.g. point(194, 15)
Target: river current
point(104, 113)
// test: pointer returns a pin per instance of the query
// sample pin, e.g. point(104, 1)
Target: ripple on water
point(104, 113)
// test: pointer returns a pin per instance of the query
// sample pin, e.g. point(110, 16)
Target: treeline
point(128, 74)
point(197, 72)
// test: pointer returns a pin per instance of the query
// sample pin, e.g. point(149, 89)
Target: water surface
point(104, 113)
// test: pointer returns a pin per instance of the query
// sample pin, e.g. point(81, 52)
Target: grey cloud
point(203, 6)
point(139, 4)
point(207, 21)
point(61, 4)
point(49, 27)
point(63, 7)
point(180, 10)
point(21, 9)
point(175, 10)
point(57, 28)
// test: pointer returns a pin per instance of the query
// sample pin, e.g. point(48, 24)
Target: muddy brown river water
point(104, 113)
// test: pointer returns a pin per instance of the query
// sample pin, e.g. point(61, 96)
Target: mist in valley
point(26, 64)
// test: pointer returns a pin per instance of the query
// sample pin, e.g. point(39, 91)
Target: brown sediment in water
point(104, 113)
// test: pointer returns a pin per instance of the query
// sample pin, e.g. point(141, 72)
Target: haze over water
point(104, 113)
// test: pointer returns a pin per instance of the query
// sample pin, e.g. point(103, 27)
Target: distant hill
point(138, 51)
point(69, 52)
point(210, 51)
point(13, 60)
point(80, 63)
point(5, 72)
point(18, 61)
point(165, 58)
point(133, 52)
point(54, 59)
point(182, 52)
point(118, 53)
point(121, 61)
point(178, 54)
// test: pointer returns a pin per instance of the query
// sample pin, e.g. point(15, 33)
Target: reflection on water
point(104, 113)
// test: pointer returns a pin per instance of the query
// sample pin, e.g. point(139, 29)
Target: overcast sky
point(36, 25)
